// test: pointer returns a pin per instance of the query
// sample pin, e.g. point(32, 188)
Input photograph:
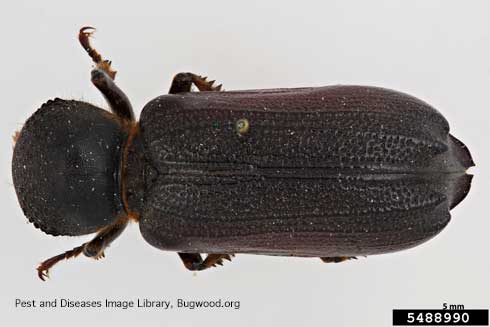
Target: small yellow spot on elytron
point(242, 126)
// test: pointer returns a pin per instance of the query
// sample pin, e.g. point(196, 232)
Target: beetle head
point(66, 168)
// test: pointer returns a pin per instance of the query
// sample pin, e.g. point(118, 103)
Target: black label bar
point(419, 317)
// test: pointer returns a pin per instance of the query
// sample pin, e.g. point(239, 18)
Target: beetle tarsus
point(336, 259)
point(84, 38)
point(182, 82)
point(43, 269)
point(194, 261)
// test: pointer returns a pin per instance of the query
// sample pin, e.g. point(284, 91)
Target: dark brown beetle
point(331, 172)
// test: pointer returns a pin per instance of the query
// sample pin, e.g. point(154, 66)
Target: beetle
point(332, 172)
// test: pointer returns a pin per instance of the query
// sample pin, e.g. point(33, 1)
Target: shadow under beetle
point(332, 172)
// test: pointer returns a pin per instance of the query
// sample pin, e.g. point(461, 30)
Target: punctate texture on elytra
point(329, 171)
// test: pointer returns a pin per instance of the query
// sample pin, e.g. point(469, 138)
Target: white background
point(435, 50)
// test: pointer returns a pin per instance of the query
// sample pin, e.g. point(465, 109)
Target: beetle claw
point(43, 272)
point(87, 31)
point(85, 28)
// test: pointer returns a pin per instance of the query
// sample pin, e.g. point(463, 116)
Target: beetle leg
point(336, 259)
point(115, 97)
point(193, 261)
point(103, 78)
point(93, 249)
point(182, 82)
